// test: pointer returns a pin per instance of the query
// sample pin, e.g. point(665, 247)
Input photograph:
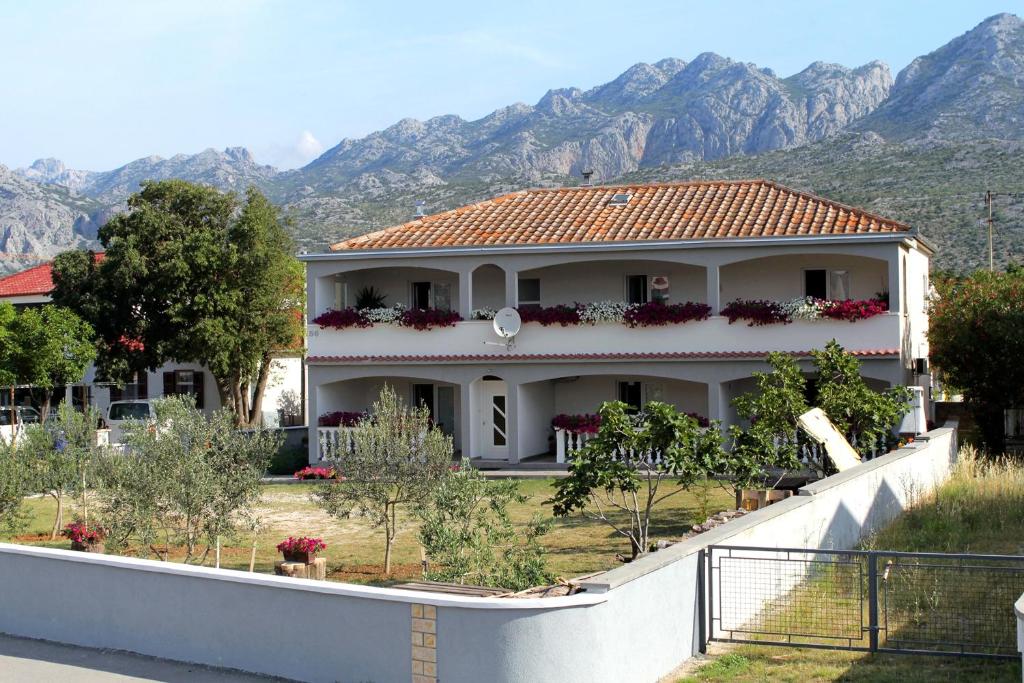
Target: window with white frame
point(529, 292)
point(821, 283)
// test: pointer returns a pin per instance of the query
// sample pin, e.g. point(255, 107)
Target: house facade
point(282, 401)
point(669, 292)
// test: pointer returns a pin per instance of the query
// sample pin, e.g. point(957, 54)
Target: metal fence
point(875, 601)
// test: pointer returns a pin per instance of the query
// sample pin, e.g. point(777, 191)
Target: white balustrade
point(335, 441)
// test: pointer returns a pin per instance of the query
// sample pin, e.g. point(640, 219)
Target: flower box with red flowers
point(83, 538)
point(577, 424)
point(302, 549)
point(341, 418)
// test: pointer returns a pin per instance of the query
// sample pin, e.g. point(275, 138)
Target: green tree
point(976, 337)
point(61, 454)
point(398, 458)
point(8, 378)
point(52, 346)
point(616, 478)
point(191, 274)
point(15, 484)
point(469, 537)
point(184, 482)
point(770, 438)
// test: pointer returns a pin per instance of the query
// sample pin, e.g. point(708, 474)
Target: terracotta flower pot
point(97, 547)
point(299, 556)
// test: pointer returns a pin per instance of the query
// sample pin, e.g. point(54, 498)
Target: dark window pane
point(630, 394)
point(529, 289)
point(636, 289)
point(499, 420)
point(816, 283)
point(421, 295)
point(499, 403)
point(499, 438)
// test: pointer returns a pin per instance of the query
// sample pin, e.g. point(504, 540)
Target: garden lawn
point(979, 510)
point(355, 551)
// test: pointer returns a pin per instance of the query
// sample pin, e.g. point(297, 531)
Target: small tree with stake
point(397, 459)
point(619, 473)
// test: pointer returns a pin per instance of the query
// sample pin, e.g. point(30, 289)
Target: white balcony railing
point(476, 338)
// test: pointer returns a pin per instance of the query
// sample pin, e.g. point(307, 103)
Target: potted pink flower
point(83, 538)
point(302, 549)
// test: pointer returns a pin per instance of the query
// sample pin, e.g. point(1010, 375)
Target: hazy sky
point(98, 84)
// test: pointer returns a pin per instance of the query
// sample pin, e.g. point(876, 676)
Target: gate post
point(702, 633)
point(872, 602)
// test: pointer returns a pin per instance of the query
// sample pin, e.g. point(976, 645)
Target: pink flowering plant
point(309, 472)
point(655, 313)
point(759, 312)
point(552, 315)
point(78, 532)
point(756, 312)
point(418, 319)
point(302, 544)
point(341, 418)
point(588, 423)
point(853, 310)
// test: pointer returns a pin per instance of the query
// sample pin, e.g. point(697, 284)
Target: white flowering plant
point(603, 312)
point(483, 314)
point(391, 314)
point(804, 308)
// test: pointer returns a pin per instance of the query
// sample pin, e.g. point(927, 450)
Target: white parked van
point(120, 412)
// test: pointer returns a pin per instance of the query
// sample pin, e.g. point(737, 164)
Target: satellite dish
point(507, 323)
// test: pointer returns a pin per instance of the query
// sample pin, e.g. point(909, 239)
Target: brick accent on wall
point(424, 644)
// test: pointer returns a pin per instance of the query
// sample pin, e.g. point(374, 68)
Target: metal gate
point(875, 601)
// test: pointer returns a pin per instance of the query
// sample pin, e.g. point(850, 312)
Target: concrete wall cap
point(309, 585)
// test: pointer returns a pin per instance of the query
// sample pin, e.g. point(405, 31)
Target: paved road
point(35, 660)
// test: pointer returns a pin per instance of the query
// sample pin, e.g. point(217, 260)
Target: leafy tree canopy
point(190, 274)
point(976, 338)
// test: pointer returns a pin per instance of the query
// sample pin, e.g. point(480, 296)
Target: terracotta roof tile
point(666, 211)
point(34, 281)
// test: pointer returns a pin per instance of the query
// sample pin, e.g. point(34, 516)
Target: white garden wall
point(634, 623)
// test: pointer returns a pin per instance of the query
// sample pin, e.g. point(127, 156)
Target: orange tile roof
point(34, 281)
point(663, 211)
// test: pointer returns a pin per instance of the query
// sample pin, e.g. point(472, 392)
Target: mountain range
point(922, 148)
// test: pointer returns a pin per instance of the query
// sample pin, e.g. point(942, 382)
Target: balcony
point(476, 340)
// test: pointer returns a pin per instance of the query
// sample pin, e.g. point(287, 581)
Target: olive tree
point(617, 476)
point(61, 454)
point(397, 459)
point(184, 481)
point(469, 537)
point(15, 484)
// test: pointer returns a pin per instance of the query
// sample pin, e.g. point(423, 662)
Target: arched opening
point(631, 281)
point(409, 287)
point(787, 277)
point(572, 397)
point(488, 288)
point(354, 396)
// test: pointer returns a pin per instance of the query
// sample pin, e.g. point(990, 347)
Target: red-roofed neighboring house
point(670, 292)
point(282, 400)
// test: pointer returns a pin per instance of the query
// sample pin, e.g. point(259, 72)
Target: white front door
point(493, 438)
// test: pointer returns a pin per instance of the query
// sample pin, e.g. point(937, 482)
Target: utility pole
point(988, 198)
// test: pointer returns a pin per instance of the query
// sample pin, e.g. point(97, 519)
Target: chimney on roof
point(587, 175)
point(421, 209)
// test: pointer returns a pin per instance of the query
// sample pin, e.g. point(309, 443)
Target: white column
point(895, 280)
point(714, 289)
point(511, 288)
point(512, 421)
point(466, 294)
point(718, 404)
point(312, 413)
point(467, 430)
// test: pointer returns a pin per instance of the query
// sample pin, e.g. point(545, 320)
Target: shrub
point(288, 460)
point(185, 484)
point(78, 532)
point(469, 537)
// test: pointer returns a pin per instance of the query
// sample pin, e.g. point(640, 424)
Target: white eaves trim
point(910, 238)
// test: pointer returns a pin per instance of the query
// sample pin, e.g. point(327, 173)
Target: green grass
point(576, 546)
point(979, 510)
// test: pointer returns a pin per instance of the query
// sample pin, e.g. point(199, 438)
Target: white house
point(282, 402)
point(710, 243)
